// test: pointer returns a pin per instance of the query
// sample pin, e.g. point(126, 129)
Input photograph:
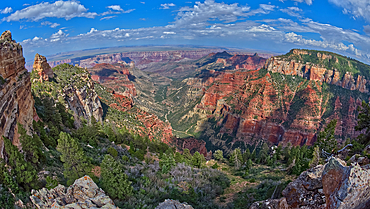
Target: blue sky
point(50, 27)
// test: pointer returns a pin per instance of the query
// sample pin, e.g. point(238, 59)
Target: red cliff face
point(115, 77)
point(247, 62)
point(316, 73)
point(42, 67)
point(16, 102)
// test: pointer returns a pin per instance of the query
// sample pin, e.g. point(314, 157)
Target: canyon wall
point(316, 72)
point(16, 102)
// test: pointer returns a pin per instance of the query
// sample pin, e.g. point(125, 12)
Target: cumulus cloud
point(115, 9)
point(357, 8)
point(58, 9)
point(6, 10)
point(58, 36)
point(309, 2)
point(167, 5)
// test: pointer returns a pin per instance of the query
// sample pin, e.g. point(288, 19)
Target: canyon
point(16, 101)
point(238, 101)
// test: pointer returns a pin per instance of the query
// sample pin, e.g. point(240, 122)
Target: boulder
point(330, 186)
point(83, 193)
point(173, 204)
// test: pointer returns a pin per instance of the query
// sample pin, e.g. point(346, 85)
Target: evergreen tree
point(325, 139)
point(167, 162)
point(114, 180)
point(179, 158)
point(316, 157)
point(197, 159)
point(75, 163)
point(363, 123)
point(218, 155)
point(246, 155)
point(236, 158)
point(31, 146)
point(187, 156)
point(25, 174)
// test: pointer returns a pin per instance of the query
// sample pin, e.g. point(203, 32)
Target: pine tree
point(197, 159)
point(114, 180)
point(179, 158)
point(236, 158)
point(25, 174)
point(363, 123)
point(326, 140)
point(218, 155)
point(167, 162)
point(75, 163)
point(246, 155)
point(187, 156)
point(316, 157)
point(31, 146)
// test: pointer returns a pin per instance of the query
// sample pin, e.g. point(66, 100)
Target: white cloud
point(309, 2)
point(167, 5)
point(58, 36)
point(6, 10)
point(357, 8)
point(292, 11)
point(58, 9)
point(115, 7)
point(142, 2)
point(52, 25)
point(169, 33)
point(108, 17)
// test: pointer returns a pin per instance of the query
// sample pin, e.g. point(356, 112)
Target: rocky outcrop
point(43, 68)
point(173, 204)
point(194, 145)
point(16, 102)
point(315, 72)
point(83, 193)
point(330, 186)
point(83, 100)
point(246, 62)
point(116, 77)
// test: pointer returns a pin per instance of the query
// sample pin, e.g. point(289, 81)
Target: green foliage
point(51, 183)
point(25, 174)
point(75, 163)
point(31, 146)
point(218, 155)
point(114, 180)
point(326, 140)
point(215, 166)
point(179, 158)
point(236, 158)
point(113, 152)
point(316, 157)
point(197, 159)
point(363, 123)
point(6, 198)
point(167, 162)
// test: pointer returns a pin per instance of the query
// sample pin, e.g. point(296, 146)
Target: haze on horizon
point(51, 27)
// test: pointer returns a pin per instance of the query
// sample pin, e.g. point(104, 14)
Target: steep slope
point(70, 85)
point(16, 102)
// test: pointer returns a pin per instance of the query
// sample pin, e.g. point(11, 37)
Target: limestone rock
point(173, 204)
point(42, 67)
point(333, 185)
point(16, 102)
point(83, 193)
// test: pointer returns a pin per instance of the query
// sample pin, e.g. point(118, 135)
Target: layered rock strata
point(43, 68)
point(316, 72)
point(83, 193)
point(333, 185)
point(16, 102)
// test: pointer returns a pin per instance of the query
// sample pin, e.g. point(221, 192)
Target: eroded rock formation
point(316, 72)
point(83, 193)
point(16, 102)
point(173, 204)
point(43, 68)
point(333, 185)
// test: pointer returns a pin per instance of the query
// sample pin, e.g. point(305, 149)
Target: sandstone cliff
point(43, 68)
point(16, 102)
point(294, 64)
point(333, 185)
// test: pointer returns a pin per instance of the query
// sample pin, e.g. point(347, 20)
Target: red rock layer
point(247, 62)
point(43, 68)
point(16, 102)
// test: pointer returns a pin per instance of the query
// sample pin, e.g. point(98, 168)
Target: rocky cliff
point(16, 102)
point(70, 84)
point(43, 68)
point(333, 185)
point(83, 193)
point(321, 66)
